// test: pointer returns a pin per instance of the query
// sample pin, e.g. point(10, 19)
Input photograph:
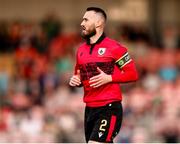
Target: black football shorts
point(102, 124)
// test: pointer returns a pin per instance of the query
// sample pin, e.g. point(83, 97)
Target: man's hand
point(100, 79)
point(75, 79)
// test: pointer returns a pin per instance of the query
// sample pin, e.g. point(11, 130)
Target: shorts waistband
point(107, 105)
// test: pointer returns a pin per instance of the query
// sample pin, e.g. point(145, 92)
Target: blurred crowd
point(38, 105)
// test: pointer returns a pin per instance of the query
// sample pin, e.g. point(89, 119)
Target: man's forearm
point(128, 75)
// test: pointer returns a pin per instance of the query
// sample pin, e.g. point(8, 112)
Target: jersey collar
point(101, 38)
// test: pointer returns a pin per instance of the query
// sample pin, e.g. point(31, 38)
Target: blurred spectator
point(168, 69)
point(170, 37)
point(4, 79)
point(40, 41)
point(25, 56)
point(4, 45)
point(32, 124)
point(14, 32)
point(51, 26)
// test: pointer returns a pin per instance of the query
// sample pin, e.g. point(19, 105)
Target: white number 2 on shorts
point(103, 124)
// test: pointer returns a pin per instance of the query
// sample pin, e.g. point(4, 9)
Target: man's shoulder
point(82, 45)
point(108, 39)
point(114, 43)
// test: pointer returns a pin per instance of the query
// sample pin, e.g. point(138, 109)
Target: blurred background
point(38, 40)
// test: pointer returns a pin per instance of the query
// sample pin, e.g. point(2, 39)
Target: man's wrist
point(113, 78)
point(110, 78)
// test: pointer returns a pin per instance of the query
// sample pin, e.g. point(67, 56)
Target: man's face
point(88, 24)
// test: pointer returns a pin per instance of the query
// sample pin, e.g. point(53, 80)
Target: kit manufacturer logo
point(100, 134)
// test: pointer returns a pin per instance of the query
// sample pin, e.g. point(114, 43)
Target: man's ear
point(98, 23)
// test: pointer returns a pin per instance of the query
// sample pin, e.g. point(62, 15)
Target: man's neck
point(94, 38)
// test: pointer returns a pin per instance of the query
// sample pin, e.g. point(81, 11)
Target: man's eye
point(85, 20)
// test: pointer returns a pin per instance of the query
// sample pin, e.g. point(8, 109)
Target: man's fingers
point(75, 78)
point(99, 70)
point(94, 80)
point(97, 84)
point(72, 84)
point(75, 81)
point(95, 77)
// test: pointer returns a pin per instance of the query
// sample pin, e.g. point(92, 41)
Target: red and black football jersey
point(113, 59)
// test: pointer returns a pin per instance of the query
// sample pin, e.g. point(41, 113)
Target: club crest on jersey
point(101, 51)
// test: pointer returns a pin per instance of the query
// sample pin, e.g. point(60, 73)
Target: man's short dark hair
point(98, 10)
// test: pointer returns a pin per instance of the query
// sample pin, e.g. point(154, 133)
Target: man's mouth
point(83, 28)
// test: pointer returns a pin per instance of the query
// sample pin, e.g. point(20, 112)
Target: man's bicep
point(124, 60)
point(120, 54)
point(125, 70)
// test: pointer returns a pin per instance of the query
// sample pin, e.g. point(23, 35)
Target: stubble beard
point(89, 34)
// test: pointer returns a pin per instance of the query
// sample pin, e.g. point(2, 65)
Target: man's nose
point(82, 23)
